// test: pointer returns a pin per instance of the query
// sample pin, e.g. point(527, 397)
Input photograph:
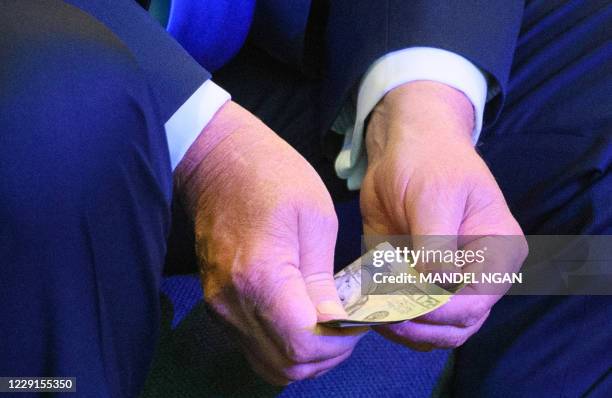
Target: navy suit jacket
point(340, 39)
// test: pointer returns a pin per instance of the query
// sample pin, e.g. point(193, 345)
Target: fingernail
point(330, 307)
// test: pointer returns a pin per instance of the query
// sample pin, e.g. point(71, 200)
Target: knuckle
point(469, 320)
point(448, 340)
point(522, 249)
point(246, 281)
point(320, 205)
point(297, 373)
point(474, 314)
point(455, 340)
point(326, 216)
point(299, 354)
point(330, 221)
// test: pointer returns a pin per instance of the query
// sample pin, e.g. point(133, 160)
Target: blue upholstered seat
point(211, 31)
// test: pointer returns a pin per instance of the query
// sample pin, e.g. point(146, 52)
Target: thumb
point(434, 224)
point(317, 236)
point(322, 291)
point(435, 211)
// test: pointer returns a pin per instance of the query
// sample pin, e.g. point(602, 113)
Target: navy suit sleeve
point(361, 31)
point(172, 74)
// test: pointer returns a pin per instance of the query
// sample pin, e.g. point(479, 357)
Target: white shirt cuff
point(189, 120)
point(391, 71)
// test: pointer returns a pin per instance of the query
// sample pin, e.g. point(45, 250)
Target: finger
point(375, 222)
point(266, 370)
point(372, 228)
point(434, 215)
point(315, 369)
point(278, 369)
point(322, 291)
point(438, 336)
point(435, 209)
point(255, 341)
point(290, 319)
point(487, 213)
point(461, 311)
point(264, 355)
point(284, 372)
point(397, 339)
point(374, 215)
point(503, 255)
point(432, 253)
point(317, 239)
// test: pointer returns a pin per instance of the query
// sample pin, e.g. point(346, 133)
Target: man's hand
point(265, 234)
point(424, 178)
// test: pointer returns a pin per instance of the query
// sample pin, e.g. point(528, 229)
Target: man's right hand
point(265, 234)
point(425, 179)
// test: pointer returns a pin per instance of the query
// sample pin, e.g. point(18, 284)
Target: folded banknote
point(368, 303)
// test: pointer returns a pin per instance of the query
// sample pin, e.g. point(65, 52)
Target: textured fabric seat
point(197, 358)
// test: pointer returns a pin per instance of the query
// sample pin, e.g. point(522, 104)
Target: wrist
point(214, 155)
point(421, 113)
point(222, 125)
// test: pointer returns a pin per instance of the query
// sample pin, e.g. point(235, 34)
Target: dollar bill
point(368, 303)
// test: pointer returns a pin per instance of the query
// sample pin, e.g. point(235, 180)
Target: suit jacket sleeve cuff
point(393, 70)
point(185, 125)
